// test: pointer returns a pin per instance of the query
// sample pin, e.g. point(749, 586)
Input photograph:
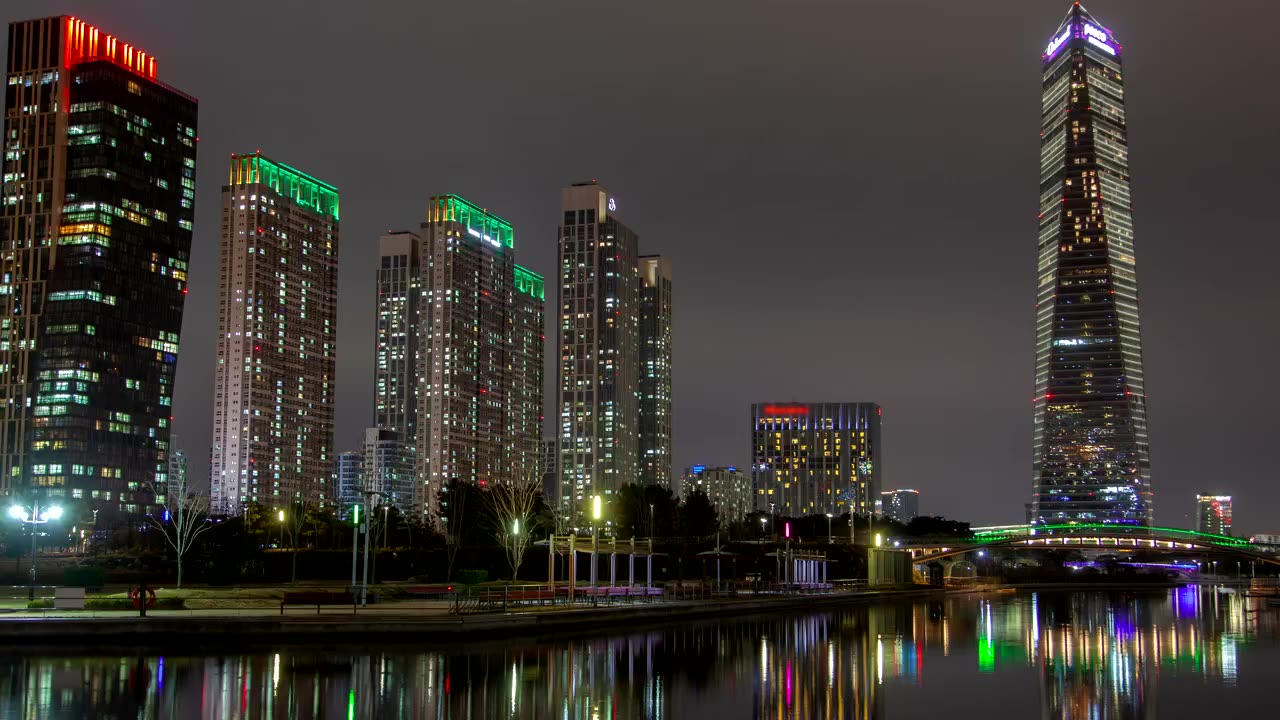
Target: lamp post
point(829, 516)
point(364, 585)
point(595, 543)
point(280, 515)
point(94, 536)
point(355, 542)
point(34, 516)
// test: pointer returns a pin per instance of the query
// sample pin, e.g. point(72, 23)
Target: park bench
point(318, 599)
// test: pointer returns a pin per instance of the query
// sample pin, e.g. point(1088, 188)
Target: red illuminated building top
point(86, 43)
point(786, 410)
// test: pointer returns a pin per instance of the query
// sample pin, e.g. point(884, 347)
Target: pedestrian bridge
point(1088, 536)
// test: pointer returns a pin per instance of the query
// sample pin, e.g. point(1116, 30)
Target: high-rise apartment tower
point(598, 343)
point(1091, 461)
point(479, 353)
point(656, 416)
point(274, 373)
point(396, 327)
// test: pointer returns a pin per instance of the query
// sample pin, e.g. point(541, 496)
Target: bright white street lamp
point(34, 516)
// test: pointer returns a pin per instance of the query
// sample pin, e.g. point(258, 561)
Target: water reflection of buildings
point(1097, 655)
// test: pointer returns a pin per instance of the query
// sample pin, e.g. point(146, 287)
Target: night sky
point(847, 191)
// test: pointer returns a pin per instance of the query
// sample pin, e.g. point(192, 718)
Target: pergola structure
point(571, 545)
point(801, 567)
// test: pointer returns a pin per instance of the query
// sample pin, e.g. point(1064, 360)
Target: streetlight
point(386, 525)
point(281, 516)
point(829, 516)
point(368, 530)
point(34, 516)
point(595, 542)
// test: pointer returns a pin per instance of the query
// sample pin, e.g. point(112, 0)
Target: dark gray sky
point(847, 190)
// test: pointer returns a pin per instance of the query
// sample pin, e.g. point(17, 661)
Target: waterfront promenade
point(412, 621)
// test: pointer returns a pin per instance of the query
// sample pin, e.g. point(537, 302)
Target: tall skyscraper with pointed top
point(1091, 460)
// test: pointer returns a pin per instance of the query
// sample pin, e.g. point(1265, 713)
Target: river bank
point(431, 625)
point(187, 631)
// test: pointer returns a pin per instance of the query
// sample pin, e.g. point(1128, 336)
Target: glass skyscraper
point(95, 223)
point(1091, 461)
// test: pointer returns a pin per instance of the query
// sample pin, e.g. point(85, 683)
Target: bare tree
point(295, 521)
point(184, 518)
point(453, 502)
point(514, 505)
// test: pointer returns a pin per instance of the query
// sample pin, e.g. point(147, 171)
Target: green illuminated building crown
point(479, 222)
point(530, 283)
point(306, 191)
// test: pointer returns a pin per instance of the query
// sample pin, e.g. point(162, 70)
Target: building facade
point(480, 354)
point(1213, 514)
point(527, 342)
point(550, 454)
point(348, 481)
point(397, 312)
point(598, 342)
point(656, 413)
point(1091, 460)
point(95, 221)
point(816, 458)
point(387, 468)
point(728, 488)
point(177, 466)
point(274, 374)
point(900, 505)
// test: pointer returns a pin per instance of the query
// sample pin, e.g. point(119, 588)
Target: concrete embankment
point(201, 632)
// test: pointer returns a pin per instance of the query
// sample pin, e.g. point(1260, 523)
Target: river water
point(1192, 652)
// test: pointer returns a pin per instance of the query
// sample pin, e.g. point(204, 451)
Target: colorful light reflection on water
point(1053, 655)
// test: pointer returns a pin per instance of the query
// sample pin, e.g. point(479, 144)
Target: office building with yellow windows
point(816, 458)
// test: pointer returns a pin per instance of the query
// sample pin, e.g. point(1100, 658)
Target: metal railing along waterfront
point(401, 599)
point(18, 596)
point(512, 598)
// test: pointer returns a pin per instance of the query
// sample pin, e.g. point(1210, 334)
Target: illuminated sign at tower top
point(1097, 36)
point(1056, 43)
point(785, 410)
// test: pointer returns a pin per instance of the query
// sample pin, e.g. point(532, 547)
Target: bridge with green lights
point(1089, 536)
